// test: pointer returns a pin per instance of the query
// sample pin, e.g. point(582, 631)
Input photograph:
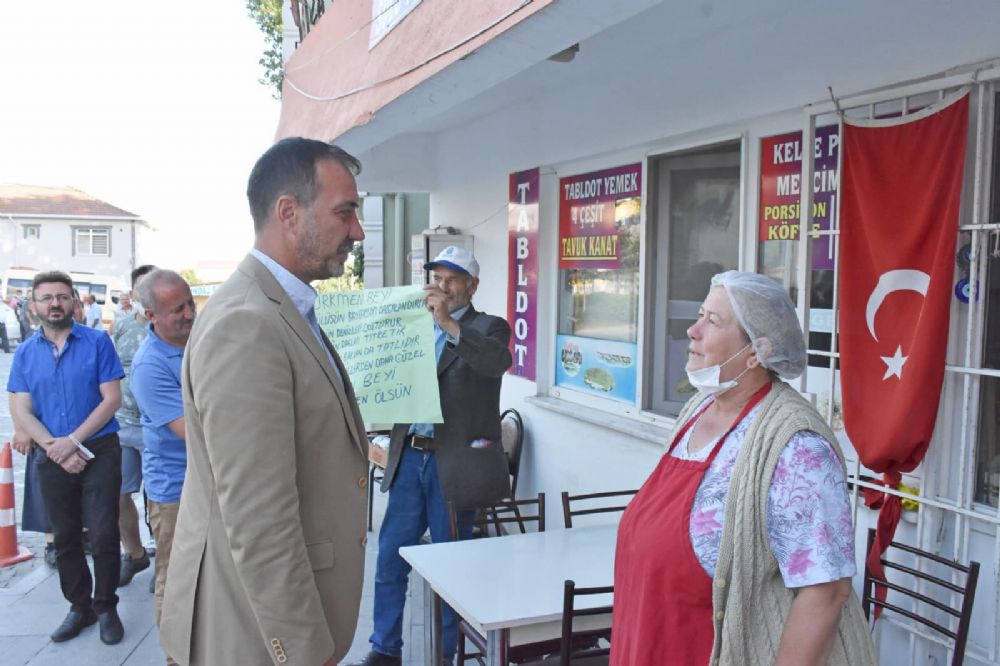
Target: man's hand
point(21, 443)
point(64, 453)
point(437, 302)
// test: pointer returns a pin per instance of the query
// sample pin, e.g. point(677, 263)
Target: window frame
point(596, 409)
point(91, 230)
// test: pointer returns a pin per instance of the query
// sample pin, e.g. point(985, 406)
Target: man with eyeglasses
point(64, 383)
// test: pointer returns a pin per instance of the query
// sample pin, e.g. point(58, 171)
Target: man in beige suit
point(268, 554)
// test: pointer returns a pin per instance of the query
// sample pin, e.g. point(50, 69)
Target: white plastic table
point(500, 583)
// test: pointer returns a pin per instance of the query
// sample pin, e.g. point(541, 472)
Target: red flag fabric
point(901, 189)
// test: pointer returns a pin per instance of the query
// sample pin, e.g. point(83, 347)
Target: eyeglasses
point(61, 298)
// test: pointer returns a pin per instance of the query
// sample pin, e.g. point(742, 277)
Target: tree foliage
point(189, 276)
point(267, 15)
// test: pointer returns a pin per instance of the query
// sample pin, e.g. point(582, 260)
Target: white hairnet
point(766, 313)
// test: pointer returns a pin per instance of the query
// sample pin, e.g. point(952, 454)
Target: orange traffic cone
point(10, 552)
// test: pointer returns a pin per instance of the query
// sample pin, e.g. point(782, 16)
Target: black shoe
point(374, 658)
point(50, 555)
point(112, 630)
point(130, 566)
point(74, 623)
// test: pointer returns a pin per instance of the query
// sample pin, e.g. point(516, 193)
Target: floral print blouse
point(808, 509)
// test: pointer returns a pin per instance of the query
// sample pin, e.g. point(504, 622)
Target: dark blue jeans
point(415, 504)
point(88, 499)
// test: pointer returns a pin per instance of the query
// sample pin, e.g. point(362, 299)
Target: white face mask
point(706, 379)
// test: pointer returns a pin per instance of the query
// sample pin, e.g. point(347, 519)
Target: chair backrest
point(570, 641)
point(589, 505)
point(966, 594)
point(512, 440)
point(499, 515)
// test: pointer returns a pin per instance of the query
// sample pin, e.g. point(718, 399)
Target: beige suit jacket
point(268, 555)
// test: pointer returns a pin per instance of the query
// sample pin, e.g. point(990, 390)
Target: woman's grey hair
point(766, 314)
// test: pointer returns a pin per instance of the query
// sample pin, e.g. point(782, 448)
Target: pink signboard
point(780, 171)
point(590, 217)
point(522, 270)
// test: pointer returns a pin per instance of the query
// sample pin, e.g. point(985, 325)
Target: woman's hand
point(812, 623)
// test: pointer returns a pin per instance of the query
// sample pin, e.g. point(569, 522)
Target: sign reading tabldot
point(522, 263)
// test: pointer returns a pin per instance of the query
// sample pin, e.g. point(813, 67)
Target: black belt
point(421, 443)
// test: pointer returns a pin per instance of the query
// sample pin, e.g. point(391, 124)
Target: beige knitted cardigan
point(749, 599)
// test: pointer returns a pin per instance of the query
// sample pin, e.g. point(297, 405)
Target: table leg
point(496, 647)
point(433, 648)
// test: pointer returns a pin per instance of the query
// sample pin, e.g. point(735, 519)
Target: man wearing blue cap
point(458, 461)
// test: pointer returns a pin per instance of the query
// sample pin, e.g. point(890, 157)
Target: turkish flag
point(901, 190)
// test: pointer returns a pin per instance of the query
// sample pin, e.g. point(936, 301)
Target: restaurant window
point(988, 446)
point(694, 219)
point(92, 241)
point(599, 242)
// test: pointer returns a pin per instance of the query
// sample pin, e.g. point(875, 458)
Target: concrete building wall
point(53, 246)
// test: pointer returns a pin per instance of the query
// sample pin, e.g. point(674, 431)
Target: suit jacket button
point(281, 658)
point(275, 642)
point(363, 481)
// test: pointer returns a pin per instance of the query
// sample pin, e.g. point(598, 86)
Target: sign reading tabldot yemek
point(385, 337)
point(589, 223)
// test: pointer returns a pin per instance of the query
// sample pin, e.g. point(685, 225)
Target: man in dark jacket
point(459, 461)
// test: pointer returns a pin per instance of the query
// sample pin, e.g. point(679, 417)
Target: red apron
point(663, 598)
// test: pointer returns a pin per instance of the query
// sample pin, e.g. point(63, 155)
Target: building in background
point(692, 114)
point(48, 228)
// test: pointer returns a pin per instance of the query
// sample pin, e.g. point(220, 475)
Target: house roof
point(58, 201)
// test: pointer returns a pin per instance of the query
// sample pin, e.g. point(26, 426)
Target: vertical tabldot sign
point(522, 264)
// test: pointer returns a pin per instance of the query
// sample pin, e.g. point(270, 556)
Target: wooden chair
point(503, 513)
point(585, 643)
point(499, 517)
point(568, 500)
point(966, 595)
point(376, 470)
point(512, 440)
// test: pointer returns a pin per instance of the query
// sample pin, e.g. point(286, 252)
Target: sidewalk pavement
point(32, 605)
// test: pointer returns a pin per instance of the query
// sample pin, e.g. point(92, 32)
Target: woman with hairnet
point(739, 548)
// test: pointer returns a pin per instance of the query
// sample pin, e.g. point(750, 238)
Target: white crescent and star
point(889, 282)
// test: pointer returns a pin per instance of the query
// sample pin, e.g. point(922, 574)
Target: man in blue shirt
point(65, 386)
point(156, 385)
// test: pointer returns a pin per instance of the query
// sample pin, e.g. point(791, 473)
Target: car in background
point(9, 318)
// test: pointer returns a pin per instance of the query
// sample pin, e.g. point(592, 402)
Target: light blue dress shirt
point(303, 298)
point(427, 429)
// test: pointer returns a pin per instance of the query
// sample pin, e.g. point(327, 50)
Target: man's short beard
point(65, 322)
point(309, 257)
